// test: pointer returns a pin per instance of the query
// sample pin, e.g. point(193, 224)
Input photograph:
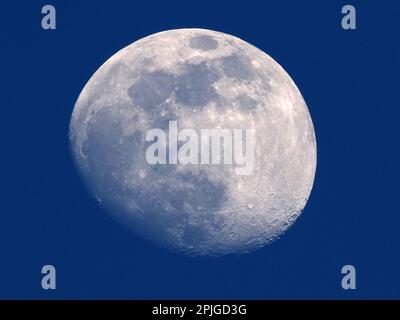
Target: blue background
point(349, 79)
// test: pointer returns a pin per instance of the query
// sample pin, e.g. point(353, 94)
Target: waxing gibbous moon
point(200, 79)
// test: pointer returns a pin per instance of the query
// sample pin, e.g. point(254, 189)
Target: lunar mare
point(202, 79)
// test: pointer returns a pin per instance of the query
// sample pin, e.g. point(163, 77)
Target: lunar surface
point(201, 79)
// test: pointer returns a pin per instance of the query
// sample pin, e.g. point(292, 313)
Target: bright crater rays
point(200, 79)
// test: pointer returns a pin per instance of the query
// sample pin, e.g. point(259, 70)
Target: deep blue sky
point(349, 79)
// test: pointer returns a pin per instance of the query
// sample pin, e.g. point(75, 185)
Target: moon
point(200, 79)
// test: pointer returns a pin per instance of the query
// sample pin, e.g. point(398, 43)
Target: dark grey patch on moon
point(203, 42)
point(237, 67)
point(151, 89)
point(245, 103)
point(204, 193)
point(194, 87)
